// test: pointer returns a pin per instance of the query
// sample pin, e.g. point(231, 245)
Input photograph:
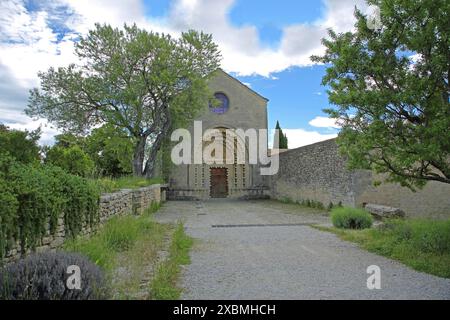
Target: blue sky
point(265, 44)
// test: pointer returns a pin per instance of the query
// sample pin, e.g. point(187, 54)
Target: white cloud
point(300, 137)
point(242, 50)
point(19, 121)
point(28, 43)
point(324, 122)
point(31, 44)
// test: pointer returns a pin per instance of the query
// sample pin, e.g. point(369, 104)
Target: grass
point(422, 244)
point(126, 247)
point(127, 243)
point(163, 286)
point(108, 185)
point(306, 203)
point(117, 235)
point(300, 207)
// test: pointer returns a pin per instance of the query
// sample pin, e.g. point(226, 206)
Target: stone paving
point(266, 250)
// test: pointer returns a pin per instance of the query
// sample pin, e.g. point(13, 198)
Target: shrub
point(44, 276)
point(38, 191)
point(32, 199)
point(72, 159)
point(351, 218)
point(8, 216)
point(20, 145)
point(82, 204)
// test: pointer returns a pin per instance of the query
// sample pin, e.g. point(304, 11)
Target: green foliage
point(8, 204)
point(351, 218)
point(424, 235)
point(140, 81)
point(317, 205)
point(287, 200)
point(21, 145)
point(39, 194)
point(330, 206)
point(111, 149)
point(312, 204)
point(394, 109)
point(44, 276)
point(283, 140)
point(163, 286)
point(34, 197)
point(108, 185)
point(72, 159)
point(82, 204)
point(422, 244)
point(106, 151)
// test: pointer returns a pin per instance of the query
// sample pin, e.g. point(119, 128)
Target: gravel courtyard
point(266, 250)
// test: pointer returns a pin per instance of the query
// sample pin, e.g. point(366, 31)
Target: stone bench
point(379, 211)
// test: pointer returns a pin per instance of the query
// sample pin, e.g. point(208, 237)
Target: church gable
point(223, 74)
point(237, 105)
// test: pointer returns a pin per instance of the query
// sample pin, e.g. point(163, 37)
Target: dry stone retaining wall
point(314, 172)
point(119, 203)
point(318, 172)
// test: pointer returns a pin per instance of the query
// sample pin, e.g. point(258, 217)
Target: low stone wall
point(433, 201)
point(203, 194)
point(119, 203)
point(318, 172)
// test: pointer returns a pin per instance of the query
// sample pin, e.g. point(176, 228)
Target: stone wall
point(251, 193)
point(119, 203)
point(432, 201)
point(315, 172)
point(318, 172)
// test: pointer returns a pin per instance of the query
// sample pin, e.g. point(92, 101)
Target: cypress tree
point(283, 140)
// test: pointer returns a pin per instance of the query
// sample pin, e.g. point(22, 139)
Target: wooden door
point(219, 185)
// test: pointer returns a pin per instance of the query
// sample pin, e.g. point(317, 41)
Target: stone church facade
point(237, 107)
point(316, 172)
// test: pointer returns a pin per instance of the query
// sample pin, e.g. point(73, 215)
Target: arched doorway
point(219, 183)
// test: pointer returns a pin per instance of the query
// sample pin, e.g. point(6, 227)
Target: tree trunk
point(151, 161)
point(138, 156)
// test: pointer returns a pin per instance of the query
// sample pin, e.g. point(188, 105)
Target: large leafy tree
point(133, 79)
point(68, 154)
point(72, 159)
point(21, 145)
point(111, 149)
point(391, 92)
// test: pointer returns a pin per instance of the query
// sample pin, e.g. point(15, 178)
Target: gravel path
point(266, 250)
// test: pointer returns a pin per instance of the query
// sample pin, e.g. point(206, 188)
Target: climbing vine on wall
point(34, 197)
point(82, 204)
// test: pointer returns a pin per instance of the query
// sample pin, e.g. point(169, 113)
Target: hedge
point(34, 197)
